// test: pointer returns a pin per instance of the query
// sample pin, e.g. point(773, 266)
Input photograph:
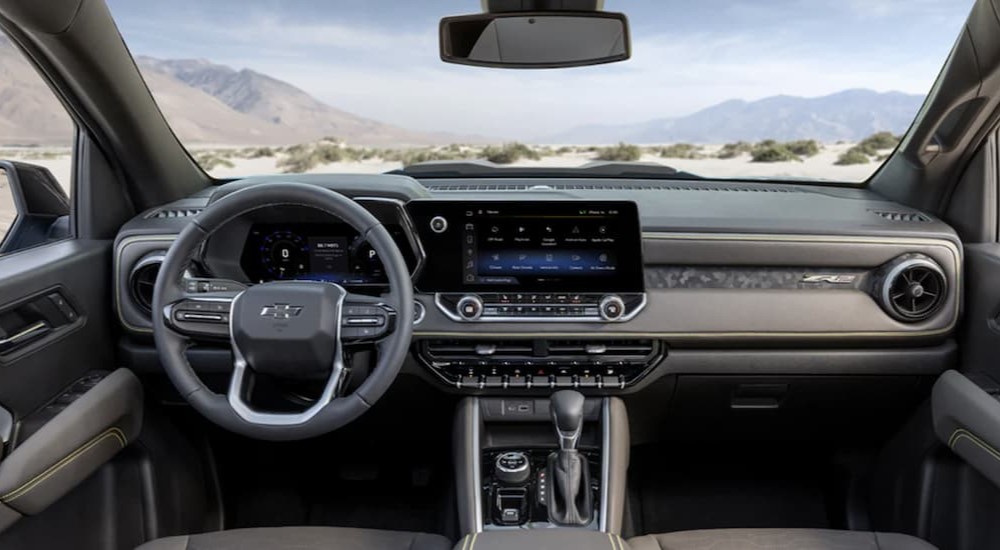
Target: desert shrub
point(260, 152)
point(623, 152)
point(210, 160)
point(300, 160)
point(878, 142)
point(804, 147)
point(733, 150)
point(772, 151)
point(509, 153)
point(409, 157)
point(681, 151)
point(854, 155)
point(294, 149)
point(565, 150)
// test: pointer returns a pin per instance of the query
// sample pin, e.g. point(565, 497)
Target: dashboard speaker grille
point(914, 289)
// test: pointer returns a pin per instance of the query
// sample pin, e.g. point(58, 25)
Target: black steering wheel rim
point(171, 345)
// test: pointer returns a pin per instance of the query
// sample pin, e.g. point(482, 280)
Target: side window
point(36, 156)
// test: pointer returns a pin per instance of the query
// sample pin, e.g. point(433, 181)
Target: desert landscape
point(240, 122)
point(810, 159)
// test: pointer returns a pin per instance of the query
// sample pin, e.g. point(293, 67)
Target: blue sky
point(379, 58)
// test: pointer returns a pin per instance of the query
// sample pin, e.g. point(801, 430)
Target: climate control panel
point(540, 307)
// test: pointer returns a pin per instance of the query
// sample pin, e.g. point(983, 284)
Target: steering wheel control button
point(439, 224)
point(470, 308)
point(612, 308)
point(512, 468)
point(201, 286)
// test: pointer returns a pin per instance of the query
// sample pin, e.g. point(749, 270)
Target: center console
point(540, 463)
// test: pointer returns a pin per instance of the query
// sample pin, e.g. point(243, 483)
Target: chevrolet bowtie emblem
point(281, 311)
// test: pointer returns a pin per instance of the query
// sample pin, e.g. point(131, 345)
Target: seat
point(302, 538)
point(777, 539)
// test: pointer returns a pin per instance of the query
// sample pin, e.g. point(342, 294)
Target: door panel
point(80, 271)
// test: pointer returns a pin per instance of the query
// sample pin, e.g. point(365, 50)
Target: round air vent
point(143, 278)
point(913, 289)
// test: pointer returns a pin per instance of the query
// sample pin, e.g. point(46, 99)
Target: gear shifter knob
point(567, 415)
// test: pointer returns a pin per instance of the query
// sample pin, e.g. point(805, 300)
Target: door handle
point(23, 336)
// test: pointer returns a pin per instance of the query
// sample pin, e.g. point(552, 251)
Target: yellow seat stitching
point(960, 433)
point(52, 470)
point(473, 545)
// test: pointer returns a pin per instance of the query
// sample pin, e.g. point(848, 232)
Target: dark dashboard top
point(664, 205)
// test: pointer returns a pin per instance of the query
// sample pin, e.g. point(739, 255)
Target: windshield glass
point(720, 89)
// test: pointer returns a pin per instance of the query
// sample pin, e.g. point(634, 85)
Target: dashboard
point(606, 285)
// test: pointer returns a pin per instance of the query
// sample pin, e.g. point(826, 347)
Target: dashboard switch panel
point(540, 307)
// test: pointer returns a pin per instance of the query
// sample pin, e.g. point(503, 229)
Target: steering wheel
point(288, 330)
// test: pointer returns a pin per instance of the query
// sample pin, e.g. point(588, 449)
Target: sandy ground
point(820, 166)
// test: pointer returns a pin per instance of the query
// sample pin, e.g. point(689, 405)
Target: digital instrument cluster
point(331, 252)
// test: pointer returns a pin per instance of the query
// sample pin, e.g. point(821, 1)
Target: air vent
point(608, 187)
point(897, 216)
point(142, 280)
point(175, 213)
point(914, 289)
point(443, 349)
point(636, 348)
point(448, 349)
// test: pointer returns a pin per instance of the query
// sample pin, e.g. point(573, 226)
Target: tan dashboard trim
point(949, 245)
point(832, 239)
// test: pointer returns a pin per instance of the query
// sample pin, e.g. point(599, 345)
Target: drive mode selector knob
point(612, 308)
point(470, 308)
point(512, 468)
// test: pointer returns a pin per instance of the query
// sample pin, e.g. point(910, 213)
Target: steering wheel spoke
point(240, 386)
point(366, 319)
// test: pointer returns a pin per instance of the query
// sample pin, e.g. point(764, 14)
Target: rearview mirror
point(535, 40)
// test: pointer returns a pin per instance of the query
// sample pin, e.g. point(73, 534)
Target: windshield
point(779, 89)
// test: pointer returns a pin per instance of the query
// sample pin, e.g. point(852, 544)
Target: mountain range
point(209, 103)
point(850, 115)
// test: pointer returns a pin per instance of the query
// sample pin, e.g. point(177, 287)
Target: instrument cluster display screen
point(530, 246)
point(317, 252)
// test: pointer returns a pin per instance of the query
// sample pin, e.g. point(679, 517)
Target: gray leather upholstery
point(542, 539)
point(302, 538)
point(777, 539)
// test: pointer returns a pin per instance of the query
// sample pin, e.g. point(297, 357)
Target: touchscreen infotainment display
point(530, 246)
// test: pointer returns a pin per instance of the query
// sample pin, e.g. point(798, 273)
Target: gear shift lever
point(567, 415)
point(570, 502)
